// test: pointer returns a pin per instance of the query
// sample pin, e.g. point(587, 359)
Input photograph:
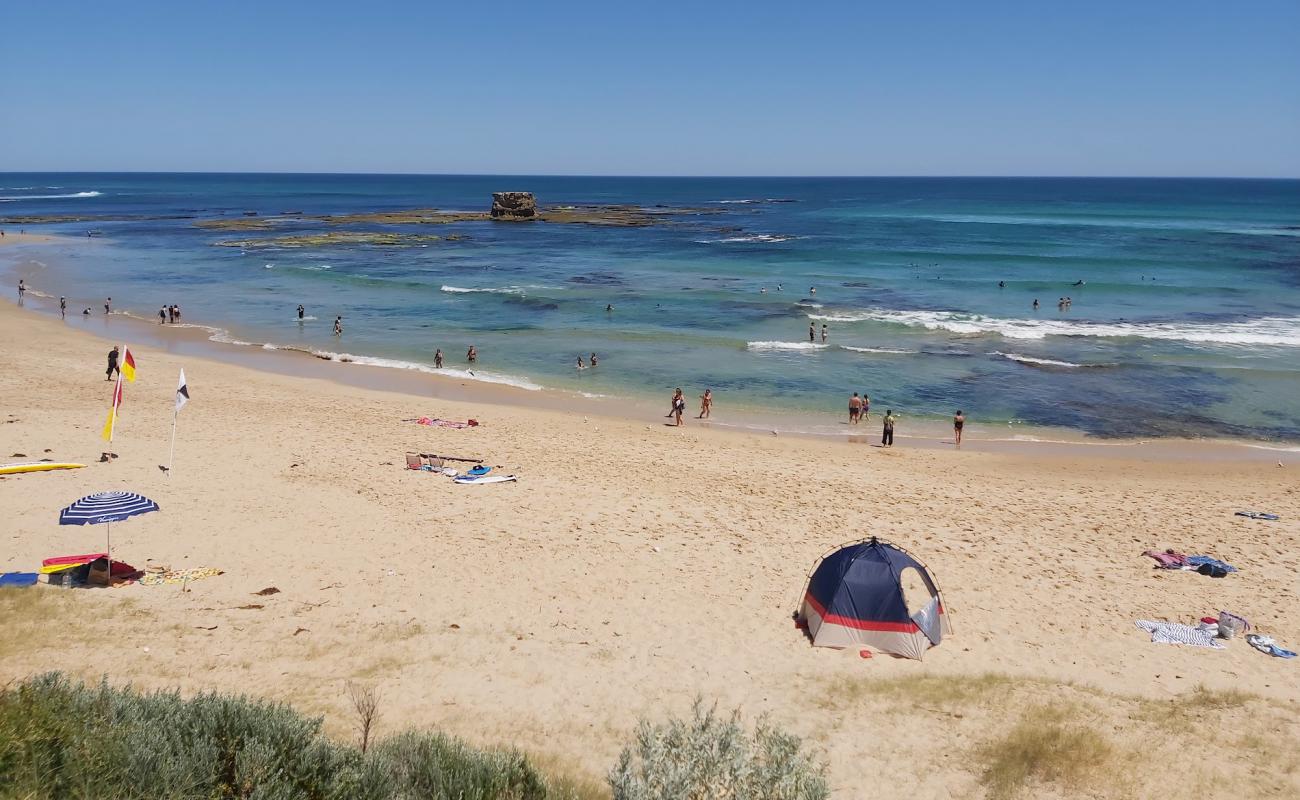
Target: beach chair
point(413, 461)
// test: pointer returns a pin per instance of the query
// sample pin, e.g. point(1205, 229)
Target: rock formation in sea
point(513, 205)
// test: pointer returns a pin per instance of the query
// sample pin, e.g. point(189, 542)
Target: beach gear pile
point(855, 597)
point(1258, 515)
point(479, 473)
point(1211, 632)
point(444, 423)
point(1205, 565)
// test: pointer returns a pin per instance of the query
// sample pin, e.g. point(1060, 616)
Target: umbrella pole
point(108, 550)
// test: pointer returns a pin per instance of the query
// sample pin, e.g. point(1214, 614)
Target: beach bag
point(1230, 624)
point(1212, 570)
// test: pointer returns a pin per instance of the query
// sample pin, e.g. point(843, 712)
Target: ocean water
point(1184, 321)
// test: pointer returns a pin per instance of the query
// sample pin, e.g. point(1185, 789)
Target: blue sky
point(756, 88)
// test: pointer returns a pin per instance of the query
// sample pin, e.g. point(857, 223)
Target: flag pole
point(117, 393)
point(172, 458)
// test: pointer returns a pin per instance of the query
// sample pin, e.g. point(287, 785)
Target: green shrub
point(68, 740)
point(709, 756)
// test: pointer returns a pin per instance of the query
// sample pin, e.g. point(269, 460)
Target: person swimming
point(593, 359)
point(1035, 303)
point(301, 312)
point(581, 365)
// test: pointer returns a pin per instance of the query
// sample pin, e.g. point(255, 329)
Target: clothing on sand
point(1175, 633)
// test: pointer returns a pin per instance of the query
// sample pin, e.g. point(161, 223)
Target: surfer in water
point(1078, 283)
point(437, 359)
point(301, 312)
point(706, 404)
point(958, 421)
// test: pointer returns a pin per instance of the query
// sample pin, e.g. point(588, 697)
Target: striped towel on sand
point(1174, 633)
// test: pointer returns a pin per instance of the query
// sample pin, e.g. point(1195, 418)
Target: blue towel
point(1197, 561)
point(18, 579)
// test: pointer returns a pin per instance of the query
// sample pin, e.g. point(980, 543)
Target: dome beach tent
point(855, 598)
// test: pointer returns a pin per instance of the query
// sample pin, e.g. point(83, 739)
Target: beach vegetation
point(709, 755)
point(60, 738)
point(1049, 745)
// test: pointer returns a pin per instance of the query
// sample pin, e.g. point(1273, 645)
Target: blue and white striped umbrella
point(106, 507)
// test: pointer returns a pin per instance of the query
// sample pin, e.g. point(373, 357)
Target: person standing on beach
point(812, 331)
point(679, 406)
point(706, 404)
point(823, 333)
point(887, 435)
point(112, 363)
point(178, 312)
point(958, 422)
point(437, 359)
point(338, 325)
point(162, 315)
point(301, 312)
point(471, 355)
point(63, 308)
point(108, 306)
point(672, 406)
point(22, 289)
point(855, 408)
point(866, 408)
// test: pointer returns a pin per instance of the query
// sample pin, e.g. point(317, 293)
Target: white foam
point(1043, 362)
point(1268, 331)
point(835, 317)
point(784, 346)
point(48, 196)
point(519, 290)
point(888, 350)
point(390, 363)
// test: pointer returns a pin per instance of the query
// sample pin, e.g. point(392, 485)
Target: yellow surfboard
point(36, 466)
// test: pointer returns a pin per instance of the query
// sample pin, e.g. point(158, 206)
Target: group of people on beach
point(678, 407)
point(171, 313)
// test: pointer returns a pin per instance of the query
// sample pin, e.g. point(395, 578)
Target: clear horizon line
point(971, 176)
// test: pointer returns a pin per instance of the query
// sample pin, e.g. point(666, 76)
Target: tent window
point(915, 593)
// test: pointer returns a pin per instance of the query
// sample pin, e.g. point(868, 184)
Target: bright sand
point(633, 567)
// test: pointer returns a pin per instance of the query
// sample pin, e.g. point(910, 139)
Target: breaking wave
point(1266, 331)
point(764, 238)
point(784, 346)
point(14, 198)
point(884, 350)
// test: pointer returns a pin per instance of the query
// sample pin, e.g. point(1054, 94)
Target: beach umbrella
point(106, 508)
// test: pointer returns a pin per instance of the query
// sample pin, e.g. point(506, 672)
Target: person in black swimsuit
point(958, 421)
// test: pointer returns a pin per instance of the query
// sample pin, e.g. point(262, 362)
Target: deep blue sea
point(1184, 320)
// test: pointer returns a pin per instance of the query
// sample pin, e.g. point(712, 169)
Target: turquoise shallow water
point(1186, 323)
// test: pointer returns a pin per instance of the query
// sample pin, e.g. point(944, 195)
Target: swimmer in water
point(301, 312)
point(338, 326)
point(1002, 284)
point(1078, 283)
point(763, 290)
point(609, 308)
point(812, 290)
point(593, 359)
point(580, 364)
point(1035, 303)
point(812, 331)
point(437, 359)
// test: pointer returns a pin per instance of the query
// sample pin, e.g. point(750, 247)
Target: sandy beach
point(634, 567)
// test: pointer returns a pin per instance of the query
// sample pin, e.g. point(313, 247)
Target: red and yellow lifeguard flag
point(112, 411)
point(128, 366)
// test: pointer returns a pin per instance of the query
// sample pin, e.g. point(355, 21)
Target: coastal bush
point(712, 756)
point(69, 740)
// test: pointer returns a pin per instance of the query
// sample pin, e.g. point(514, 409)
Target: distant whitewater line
point(882, 350)
point(766, 238)
point(1045, 362)
point(519, 290)
point(15, 198)
point(750, 201)
point(1268, 331)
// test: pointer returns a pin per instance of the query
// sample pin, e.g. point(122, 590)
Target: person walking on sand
point(812, 331)
point(471, 355)
point(855, 408)
point(437, 359)
point(865, 414)
point(338, 326)
point(706, 404)
point(301, 312)
point(887, 435)
point(958, 422)
point(679, 406)
point(672, 406)
point(823, 333)
point(108, 306)
point(112, 363)
point(63, 308)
